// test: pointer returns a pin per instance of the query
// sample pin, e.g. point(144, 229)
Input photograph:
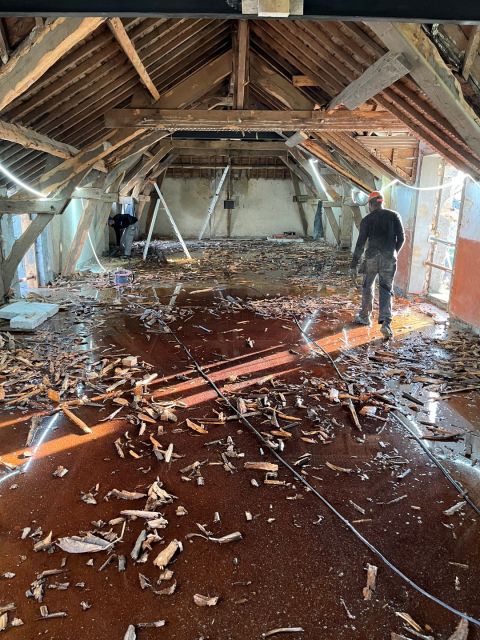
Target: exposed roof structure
point(86, 92)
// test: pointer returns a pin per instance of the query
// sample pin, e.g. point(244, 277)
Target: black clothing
point(120, 222)
point(383, 229)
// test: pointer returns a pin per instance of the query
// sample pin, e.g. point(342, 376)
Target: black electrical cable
point(313, 490)
point(403, 421)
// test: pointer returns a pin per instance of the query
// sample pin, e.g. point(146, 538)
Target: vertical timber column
point(346, 228)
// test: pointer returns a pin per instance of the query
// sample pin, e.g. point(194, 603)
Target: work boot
point(386, 330)
point(359, 319)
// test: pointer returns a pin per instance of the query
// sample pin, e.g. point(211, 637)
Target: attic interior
point(198, 440)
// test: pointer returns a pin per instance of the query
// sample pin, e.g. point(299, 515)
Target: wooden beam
point(471, 51)
point(277, 86)
point(31, 139)
point(43, 207)
point(325, 156)
point(198, 84)
point(40, 52)
point(301, 208)
point(380, 75)
point(138, 146)
point(235, 167)
point(20, 248)
point(210, 147)
point(357, 215)
point(333, 223)
point(87, 158)
point(433, 76)
point(302, 174)
point(4, 48)
point(146, 167)
point(93, 208)
point(241, 64)
point(304, 81)
point(94, 193)
point(126, 44)
point(185, 92)
point(248, 153)
point(253, 120)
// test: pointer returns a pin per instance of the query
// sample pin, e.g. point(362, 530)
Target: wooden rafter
point(380, 75)
point(253, 120)
point(241, 63)
point(179, 96)
point(126, 44)
point(41, 51)
point(31, 139)
point(320, 152)
point(434, 77)
point(271, 82)
point(146, 167)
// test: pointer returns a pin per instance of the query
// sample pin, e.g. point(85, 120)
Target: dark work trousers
point(318, 223)
point(384, 267)
point(118, 234)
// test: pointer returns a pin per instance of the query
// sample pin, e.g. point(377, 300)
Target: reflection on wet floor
point(296, 566)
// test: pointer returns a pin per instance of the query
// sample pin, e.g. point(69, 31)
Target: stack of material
point(28, 315)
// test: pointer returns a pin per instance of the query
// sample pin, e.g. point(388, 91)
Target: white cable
point(95, 253)
point(445, 185)
point(21, 184)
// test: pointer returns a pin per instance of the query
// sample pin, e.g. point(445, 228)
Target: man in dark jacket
point(382, 233)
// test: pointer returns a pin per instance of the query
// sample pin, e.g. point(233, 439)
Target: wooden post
point(20, 248)
point(301, 208)
point(241, 64)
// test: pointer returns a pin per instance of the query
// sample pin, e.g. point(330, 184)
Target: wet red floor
point(297, 563)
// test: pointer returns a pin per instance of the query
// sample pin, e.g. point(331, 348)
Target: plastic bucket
point(122, 277)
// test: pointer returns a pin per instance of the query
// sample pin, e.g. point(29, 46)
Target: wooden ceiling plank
point(377, 166)
point(41, 52)
point(126, 44)
point(291, 49)
point(58, 88)
point(433, 76)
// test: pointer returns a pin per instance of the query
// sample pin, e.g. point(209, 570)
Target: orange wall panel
point(465, 295)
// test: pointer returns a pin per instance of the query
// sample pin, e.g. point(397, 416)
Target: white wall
point(264, 207)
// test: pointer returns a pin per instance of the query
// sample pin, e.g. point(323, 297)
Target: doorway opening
point(443, 237)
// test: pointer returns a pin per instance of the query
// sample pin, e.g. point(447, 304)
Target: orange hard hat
point(376, 195)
